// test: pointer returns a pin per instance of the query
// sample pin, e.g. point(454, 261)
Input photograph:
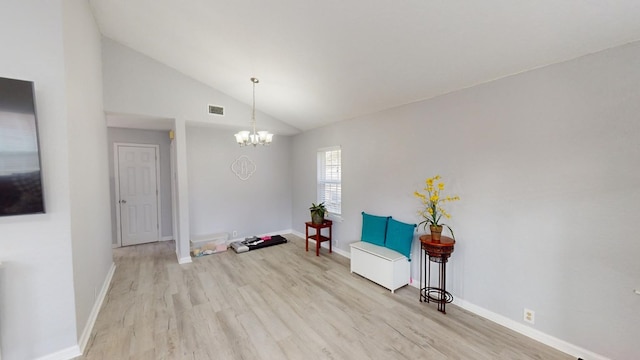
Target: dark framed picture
point(20, 170)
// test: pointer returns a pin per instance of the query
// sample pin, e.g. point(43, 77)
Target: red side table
point(318, 237)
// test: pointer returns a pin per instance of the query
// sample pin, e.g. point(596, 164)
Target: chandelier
point(254, 137)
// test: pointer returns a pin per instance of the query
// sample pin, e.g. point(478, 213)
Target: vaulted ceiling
point(324, 61)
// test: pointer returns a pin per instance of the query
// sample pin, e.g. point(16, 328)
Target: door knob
point(123, 201)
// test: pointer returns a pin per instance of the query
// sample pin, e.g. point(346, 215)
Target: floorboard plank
point(281, 302)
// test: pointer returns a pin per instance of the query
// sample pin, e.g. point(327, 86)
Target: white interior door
point(138, 194)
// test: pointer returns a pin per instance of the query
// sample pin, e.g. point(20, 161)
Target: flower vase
point(436, 232)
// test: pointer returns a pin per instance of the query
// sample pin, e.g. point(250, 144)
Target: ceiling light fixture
point(254, 137)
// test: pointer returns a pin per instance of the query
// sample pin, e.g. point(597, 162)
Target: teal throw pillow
point(400, 237)
point(374, 228)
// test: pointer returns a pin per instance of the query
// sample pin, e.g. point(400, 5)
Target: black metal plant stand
point(439, 253)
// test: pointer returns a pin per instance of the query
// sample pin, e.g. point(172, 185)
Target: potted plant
point(318, 212)
point(432, 211)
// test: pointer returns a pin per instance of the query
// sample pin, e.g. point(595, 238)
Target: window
point(330, 178)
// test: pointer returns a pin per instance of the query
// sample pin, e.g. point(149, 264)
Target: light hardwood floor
point(280, 303)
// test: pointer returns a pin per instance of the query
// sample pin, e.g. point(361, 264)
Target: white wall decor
point(243, 167)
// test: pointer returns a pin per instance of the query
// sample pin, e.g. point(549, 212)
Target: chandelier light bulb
point(253, 137)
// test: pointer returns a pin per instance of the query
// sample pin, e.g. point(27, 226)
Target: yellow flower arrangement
point(432, 200)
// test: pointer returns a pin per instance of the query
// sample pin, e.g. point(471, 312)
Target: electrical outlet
point(529, 316)
point(235, 234)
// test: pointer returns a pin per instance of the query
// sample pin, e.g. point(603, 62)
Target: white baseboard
point(323, 245)
point(291, 231)
point(185, 260)
point(166, 238)
point(534, 334)
point(86, 334)
point(286, 231)
point(77, 350)
point(527, 331)
point(65, 354)
point(537, 335)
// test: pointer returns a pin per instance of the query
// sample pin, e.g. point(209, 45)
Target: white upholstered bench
point(380, 264)
point(384, 253)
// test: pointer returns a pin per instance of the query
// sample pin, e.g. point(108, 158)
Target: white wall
point(154, 137)
point(181, 191)
point(37, 309)
point(543, 161)
point(220, 201)
point(88, 163)
point(545, 164)
point(136, 84)
point(55, 262)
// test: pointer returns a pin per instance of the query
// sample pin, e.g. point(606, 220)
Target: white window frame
point(330, 175)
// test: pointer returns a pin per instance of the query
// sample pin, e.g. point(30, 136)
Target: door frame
point(116, 180)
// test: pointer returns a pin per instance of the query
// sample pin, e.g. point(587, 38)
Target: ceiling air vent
point(216, 110)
